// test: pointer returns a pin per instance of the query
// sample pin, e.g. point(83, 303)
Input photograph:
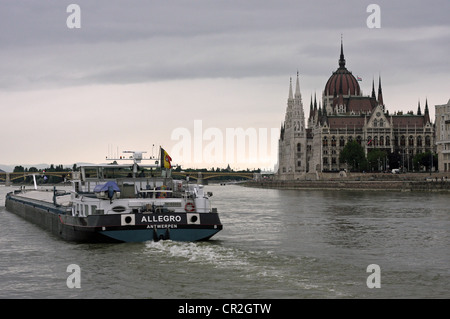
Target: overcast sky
point(138, 71)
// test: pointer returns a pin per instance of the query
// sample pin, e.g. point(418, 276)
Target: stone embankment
point(375, 182)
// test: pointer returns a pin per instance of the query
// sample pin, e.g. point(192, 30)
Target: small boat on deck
point(131, 202)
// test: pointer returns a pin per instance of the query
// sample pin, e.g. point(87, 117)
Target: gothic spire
point(290, 90)
point(341, 58)
point(297, 88)
point(315, 102)
point(419, 112)
point(373, 88)
point(380, 93)
point(427, 113)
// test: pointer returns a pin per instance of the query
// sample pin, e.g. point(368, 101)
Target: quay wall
point(380, 182)
point(354, 185)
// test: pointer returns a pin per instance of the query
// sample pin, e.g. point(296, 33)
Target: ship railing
point(153, 193)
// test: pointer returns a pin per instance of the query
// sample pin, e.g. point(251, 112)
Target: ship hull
point(136, 227)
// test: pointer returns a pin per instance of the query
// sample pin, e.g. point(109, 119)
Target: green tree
point(395, 160)
point(18, 169)
point(353, 155)
point(425, 160)
point(376, 159)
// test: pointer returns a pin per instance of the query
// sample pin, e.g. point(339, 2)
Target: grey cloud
point(136, 41)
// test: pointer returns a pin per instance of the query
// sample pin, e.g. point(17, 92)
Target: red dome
point(342, 81)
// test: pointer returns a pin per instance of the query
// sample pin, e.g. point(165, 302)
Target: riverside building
point(344, 114)
point(443, 136)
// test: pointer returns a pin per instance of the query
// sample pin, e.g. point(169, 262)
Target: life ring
point(190, 207)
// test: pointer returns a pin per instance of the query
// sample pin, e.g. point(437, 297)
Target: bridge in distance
point(8, 178)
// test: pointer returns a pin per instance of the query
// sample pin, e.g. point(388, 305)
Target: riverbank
point(358, 181)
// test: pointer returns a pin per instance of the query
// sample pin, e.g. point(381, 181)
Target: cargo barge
point(121, 203)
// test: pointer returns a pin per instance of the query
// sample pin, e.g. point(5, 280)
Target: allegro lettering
point(161, 219)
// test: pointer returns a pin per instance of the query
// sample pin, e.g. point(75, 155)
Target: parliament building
point(344, 114)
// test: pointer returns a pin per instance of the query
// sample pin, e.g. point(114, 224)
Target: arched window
point(341, 141)
point(299, 147)
point(381, 123)
point(388, 141)
point(381, 141)
point(359, 139)
point(402, 140)
point(427, 140)
point(333, 141)
point(325, 142)
point(375, 123)
point(411, 140)
point(419, 140)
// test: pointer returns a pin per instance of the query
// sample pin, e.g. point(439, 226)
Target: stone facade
point(443, 136)
point(292, 144)
point(348, 115)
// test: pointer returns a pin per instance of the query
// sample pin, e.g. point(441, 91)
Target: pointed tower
point(311, 113)
point(292, 143)
point(299, 115)
point(291, 96)
point(290, 106)
point(342, 81)
point(373, 88)
point(427, 112)
point(380, 93)
point(315, 104)
point(419, 111)
point(341, 57)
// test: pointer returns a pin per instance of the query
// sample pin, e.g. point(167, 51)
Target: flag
point(165, 159)
point(358, 78)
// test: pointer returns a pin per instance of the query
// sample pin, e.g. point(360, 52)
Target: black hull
point(114, 228)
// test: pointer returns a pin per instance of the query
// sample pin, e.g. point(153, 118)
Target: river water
point(275, 244)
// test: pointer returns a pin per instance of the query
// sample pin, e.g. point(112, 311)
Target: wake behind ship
point(121, 203)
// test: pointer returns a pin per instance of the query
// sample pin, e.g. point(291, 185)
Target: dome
point(342, 80)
